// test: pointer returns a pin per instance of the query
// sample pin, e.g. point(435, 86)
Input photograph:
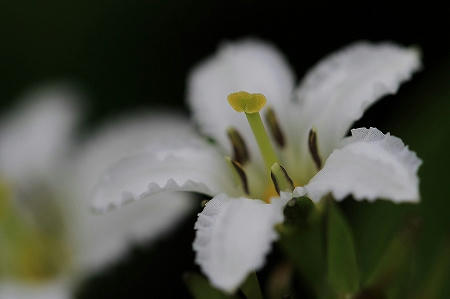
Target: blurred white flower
point(49, 237)
point(103, 238)
point(308, 125)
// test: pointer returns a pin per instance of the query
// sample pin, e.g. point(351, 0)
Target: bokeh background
point(126, 55)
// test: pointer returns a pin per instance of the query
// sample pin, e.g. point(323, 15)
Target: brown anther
point(240, 151)
point(281, 179)
point(274, 127)
point(240, 174)
point(314, 148)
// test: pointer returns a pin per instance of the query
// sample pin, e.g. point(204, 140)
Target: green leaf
point(302, 241)
point(200, 288)
point(251, 288)
point(342, 267)
point(435, 282)
point(374, 225)
point(394, 264)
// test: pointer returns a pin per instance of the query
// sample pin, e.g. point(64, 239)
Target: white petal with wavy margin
point(234, 236)
point(143, 221)
point(100, 240)
point(196, 168)
point(369, 165)
point(338, 90)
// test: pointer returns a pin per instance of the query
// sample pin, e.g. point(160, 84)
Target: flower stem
point(264, 144)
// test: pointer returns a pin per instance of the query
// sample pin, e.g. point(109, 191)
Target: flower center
point(33, 247)
point(251, 104)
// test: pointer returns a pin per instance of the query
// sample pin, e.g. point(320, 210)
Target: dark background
point(131, 54)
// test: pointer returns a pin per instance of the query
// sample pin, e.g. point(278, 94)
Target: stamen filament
point(264, 143)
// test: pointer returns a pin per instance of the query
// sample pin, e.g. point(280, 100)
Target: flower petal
point(175, 159)
point(233, 237)
point(370, 165)
point(125, 137)
point(143, 221)
point(37, 134)
point(338, 90)
point(247, 65)
point(59, 289)
point(99, 240)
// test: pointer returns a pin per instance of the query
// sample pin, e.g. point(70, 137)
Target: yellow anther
point(243, 101)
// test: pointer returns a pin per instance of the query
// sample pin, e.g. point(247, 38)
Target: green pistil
point(265, 146)
point(251, 104)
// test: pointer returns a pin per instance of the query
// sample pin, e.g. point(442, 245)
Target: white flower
point(308, 127)
point(103, 238)
point(54, 289)
point(45, 182)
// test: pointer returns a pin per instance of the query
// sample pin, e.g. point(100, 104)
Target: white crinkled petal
point(369, 165)
point(248, 65)
point(143, 221)
point(37, 134)
point(58, 289)
point(196, 167)
point(99, 240)
point(338, 90)
point(125, 137)
point(233, 237)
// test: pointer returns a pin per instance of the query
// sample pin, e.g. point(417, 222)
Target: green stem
point(251, 288)
point(265, 146)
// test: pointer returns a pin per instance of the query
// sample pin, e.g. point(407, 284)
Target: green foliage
point(434, 282)
point(394, 260)
point(341, 256)
point(302, 241)
point(391, 277)
point(374, 225)
point(251, 288)
point(200, 288)
point(424, 125)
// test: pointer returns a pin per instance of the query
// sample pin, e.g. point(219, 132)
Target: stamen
point(240, 152)
point(251, 104)
point(274, 127)
point(239, 174)
point(281, 179)
point(314, 148)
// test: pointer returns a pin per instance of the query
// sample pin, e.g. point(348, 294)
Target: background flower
point(50, 237)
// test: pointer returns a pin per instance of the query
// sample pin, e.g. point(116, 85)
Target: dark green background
point(131, 54)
